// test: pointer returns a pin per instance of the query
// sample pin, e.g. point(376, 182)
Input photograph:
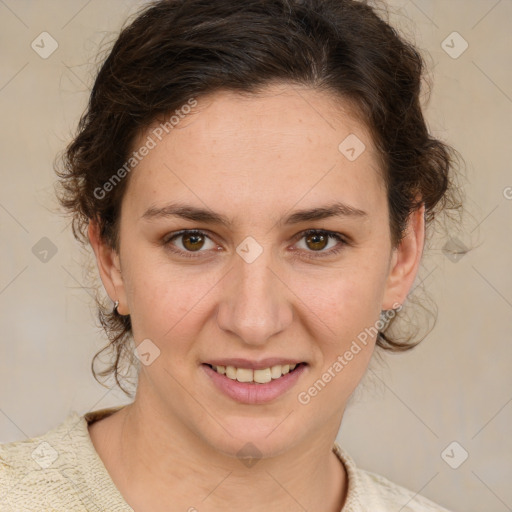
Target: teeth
point(230, 372)
point(244, 375)
point(260, 376)
point(275, 371)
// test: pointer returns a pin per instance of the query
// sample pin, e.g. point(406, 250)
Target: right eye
point(192, 241)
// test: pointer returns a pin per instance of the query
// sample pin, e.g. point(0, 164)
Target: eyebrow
point(196, 214)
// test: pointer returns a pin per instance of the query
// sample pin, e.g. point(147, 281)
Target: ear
point(405, 261)
point(109, 266)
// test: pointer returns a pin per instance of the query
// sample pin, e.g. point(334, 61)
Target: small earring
point(116, 303)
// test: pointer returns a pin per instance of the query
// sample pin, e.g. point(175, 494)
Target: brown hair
point(175, 50)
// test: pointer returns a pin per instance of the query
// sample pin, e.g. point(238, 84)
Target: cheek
point(167, 301)
point(344, 312)
point(345, 300)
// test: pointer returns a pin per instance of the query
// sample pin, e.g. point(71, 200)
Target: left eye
point(193, 241)
point(319, 239)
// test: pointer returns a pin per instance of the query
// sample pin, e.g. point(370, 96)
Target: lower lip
point(251, 392)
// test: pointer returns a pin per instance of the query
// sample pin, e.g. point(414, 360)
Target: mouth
point(254, 386)
point(259, 376)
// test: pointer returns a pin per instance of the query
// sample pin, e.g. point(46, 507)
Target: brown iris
point(192, 241)
point(318, 240)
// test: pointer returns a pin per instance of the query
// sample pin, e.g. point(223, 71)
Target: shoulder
point(38, 473)
point(370, 491)
point(396, 497)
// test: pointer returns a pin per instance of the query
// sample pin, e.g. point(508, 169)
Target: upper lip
point(238, 362)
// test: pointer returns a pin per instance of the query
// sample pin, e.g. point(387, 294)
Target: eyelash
point(190, 254)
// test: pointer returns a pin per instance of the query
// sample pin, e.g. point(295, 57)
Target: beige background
point(456, 386)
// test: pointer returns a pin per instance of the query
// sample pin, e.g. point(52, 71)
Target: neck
point(156, 461)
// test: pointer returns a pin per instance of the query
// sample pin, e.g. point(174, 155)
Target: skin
point(255, 159)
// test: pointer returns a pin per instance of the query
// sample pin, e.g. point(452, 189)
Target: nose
point(255, 301)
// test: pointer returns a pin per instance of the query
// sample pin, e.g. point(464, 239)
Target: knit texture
point(60, 471)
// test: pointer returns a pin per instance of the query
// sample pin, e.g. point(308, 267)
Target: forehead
point(263, 150)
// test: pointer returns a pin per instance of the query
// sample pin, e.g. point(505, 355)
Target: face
point(244, 278)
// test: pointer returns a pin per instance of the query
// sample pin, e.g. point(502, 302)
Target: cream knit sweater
point(60, 471)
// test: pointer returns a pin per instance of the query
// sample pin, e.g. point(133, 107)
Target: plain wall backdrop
point(456, 386)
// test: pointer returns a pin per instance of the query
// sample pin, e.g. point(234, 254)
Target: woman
point(255, 179)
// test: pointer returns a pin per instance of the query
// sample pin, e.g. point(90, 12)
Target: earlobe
point(109, 268)
point(405, 261)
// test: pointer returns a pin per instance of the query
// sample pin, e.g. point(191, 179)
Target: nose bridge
point(254, 306)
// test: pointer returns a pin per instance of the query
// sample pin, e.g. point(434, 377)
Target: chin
point(253, 437)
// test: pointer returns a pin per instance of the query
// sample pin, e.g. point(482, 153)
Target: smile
point(254, 386)
point(261, 376)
